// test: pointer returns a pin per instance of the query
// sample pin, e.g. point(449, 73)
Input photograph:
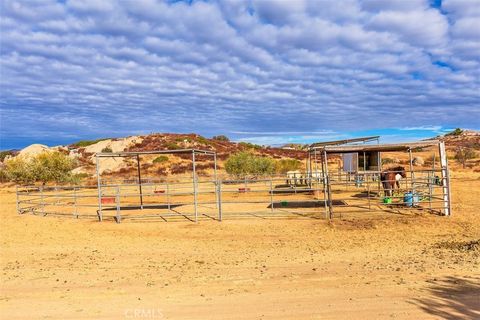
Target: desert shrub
point(160, 159)
point(107, 150)
point(172, 146)
point(4, 154)
point(162, 171)
point(179, 168)
point(19, 170)
point(462, 155)
point(3, 176)
point(86, 143)
point(455, 132)
point(45, 167)
point(221, 138)
point(248, 145)
point(285, 165)
point(387, 160)
point(203, 140)
point(243, 164)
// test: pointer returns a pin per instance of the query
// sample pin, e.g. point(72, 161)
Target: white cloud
point(237, 66)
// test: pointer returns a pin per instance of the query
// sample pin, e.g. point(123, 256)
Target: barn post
point(168, 194)
point(194, 187)
point(412, 176)
point(99, 187)
point(324, 181)
point(42, 200)
point(329, 187)
point(445, 180)
point(75, 213)
point(117, 203)
point(219, 199)
point(431, 181)
point(215, 178)
point(271, 194)
point(379, 165)
point(139, 181)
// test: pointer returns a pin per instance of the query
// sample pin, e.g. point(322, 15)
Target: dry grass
point(357, 268)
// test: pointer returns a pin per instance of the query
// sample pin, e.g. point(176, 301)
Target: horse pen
point(352, 189)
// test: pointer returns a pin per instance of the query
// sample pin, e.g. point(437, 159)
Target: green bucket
point(387, 200)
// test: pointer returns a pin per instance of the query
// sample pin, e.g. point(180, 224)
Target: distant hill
point(461, 138)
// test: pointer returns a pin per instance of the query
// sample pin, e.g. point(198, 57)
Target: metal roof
point(377, 147)
point(345, 141)
point(135, 153)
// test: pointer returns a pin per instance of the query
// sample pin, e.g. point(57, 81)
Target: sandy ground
point(400, 267)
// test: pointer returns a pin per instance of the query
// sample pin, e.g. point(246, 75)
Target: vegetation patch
point(86, 143)
point(221, 138)
point(44, 167)
point(160, 159)
point(464, 246)
point(245, 164)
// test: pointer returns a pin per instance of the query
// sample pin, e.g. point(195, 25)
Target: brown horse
point(390, 178)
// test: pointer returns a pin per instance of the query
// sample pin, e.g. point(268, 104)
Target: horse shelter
point(340, 178)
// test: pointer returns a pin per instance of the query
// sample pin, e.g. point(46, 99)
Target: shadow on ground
point(452, 298)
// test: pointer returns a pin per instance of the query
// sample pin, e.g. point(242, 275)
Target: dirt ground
point(400, 267)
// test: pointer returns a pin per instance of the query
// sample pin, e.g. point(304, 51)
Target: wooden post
point(75, 213)
point(99, 187)
point(219, 199)
point(139, 181)
point(445, 180)
point(42, 201)
point(271, 194)
point(194, 187)
point(117, 202)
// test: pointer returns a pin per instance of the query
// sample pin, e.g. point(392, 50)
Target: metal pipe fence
point(314, 195)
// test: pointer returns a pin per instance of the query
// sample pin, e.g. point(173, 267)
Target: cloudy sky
point(262, 71)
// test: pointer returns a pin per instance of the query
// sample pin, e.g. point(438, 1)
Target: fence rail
point(313, 195)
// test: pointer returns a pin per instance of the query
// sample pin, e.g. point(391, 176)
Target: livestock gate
point(321, 191)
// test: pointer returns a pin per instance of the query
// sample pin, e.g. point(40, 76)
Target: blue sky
point(268, 72)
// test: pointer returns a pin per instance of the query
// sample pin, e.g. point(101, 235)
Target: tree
point(464, 154)
point(221, 138)
point(455, 132)
point(44, 167)
point(243, 164)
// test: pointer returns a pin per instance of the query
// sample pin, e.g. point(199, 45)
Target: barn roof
point(376, 147)
point(345, 141)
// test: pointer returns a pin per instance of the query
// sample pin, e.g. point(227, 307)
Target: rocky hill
point(461, 138)
point(84, 151)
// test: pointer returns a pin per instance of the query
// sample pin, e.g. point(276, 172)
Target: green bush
point(285, 165)
point(221, 138)
point(172, 146)
point(455, 132)
point(244, 164)
point(107, 150)
point(45, 167)
point(203, 140)
point(388, 161)
point(248, 145)
point(3, 154)
point(86, 143)
point(160, 159)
